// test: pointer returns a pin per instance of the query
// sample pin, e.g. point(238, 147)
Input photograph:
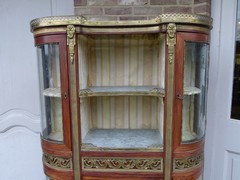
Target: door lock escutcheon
point(179, 96)
point(65, 95)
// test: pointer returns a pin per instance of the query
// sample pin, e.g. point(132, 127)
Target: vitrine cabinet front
point(123, 100)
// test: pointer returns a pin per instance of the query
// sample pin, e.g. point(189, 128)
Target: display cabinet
point(124, 99)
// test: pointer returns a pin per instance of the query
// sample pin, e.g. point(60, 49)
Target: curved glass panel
point(50, 91)
point(194, 99)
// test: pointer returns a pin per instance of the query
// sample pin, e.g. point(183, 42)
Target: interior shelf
point(123, 139)
point(128, 91)
point(52, 92)
point(56, 136)
point(53, 135)
point(122, 91)
point(191, 90)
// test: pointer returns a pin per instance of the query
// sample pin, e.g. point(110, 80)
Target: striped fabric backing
point(121, 60)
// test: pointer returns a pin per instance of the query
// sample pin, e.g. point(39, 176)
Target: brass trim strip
point(55, 162)
point(111, 164)
point(107, 30)
point(56, 21)
point(89, 147)
point(50, 30)
point(161, 19)
point(171, 42)
point(74, 106)
point(193, 28)
point(89, 30)
point(186, 163)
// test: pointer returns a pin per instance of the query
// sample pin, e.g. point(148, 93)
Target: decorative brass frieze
point(57, 162)
point(56, 21)
point(161, 19)
point(122, 164)
point(71, 41)
point(171, 41)
point(187, 162)
point(185, 19)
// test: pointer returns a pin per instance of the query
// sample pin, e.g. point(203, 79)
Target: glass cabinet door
point(194, 91)
point(50, 90)
point(122, 90)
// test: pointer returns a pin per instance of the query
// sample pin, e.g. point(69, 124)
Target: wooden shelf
point(113, 139)
point(52, 92)
point(56, 136)
point(131, 91)
point(122, 91)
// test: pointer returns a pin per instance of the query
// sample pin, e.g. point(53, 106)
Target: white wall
point(213, 75)
point(20, 149)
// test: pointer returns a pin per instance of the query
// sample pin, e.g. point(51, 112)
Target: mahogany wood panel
point(58, 175)
point(49, 33)
point(136, 154)
point(123, 174)
point(120, 178)
point(190, 149)
point(56, 149)
point(188, 175)
point(194, 29)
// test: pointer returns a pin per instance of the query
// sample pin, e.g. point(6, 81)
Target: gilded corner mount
point(71, 42)
point(171, 41)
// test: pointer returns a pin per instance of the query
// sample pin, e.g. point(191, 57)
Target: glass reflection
point(51, 104)
point(195, 81)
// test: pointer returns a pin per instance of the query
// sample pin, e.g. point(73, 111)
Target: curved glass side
point(195, 89)
point(50, 91)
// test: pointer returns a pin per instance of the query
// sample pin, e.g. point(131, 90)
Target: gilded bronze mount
point(82, 21)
